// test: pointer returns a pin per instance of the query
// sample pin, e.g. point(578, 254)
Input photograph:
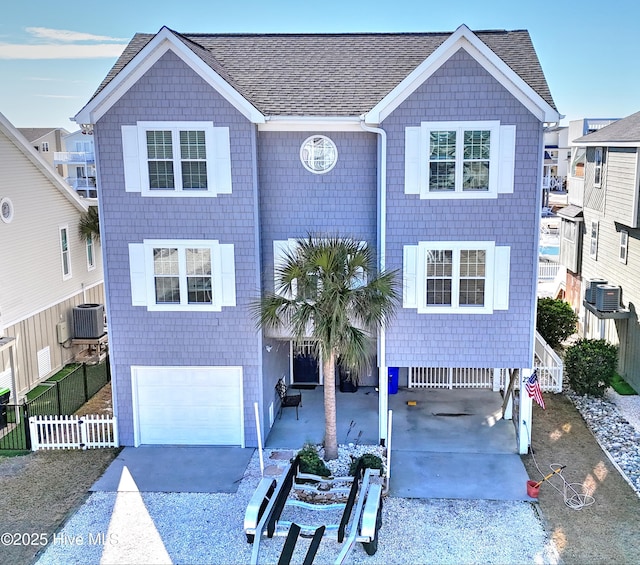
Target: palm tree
point(327, 291)
point(89, 224)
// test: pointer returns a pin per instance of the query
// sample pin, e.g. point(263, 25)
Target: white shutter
point(131, 159)
point(501, 278)
point(506, 161)
point(137, 272)
point(412, 160)
point(221, 161)
point(228, 275)
point(410, 277)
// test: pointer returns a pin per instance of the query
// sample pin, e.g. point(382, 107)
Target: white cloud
point(68, 36)
point(24, 51)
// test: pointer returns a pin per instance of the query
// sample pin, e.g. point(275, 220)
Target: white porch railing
point(547, 270)
point(73, 432)
point(450, 377)
point(549, 365)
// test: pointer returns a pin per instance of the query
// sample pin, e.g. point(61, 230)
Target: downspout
point(381, 220)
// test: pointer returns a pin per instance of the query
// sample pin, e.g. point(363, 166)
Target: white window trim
point(143, 280)
point(306, 165)
point(45, 146)
point(91, 254)
point(624, 246)
point(65, 276)
point(136, 172)
point(497, 277)
point(593, 240)
point(598, 167)
point(501, 161)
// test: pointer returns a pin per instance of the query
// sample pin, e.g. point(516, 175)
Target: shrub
point(590, 366)
point(556, 320)
point(369, 460)
point(310, 462)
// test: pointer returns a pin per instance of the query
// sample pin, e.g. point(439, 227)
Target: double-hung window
point(182, 274)
point(65, 253)
point(459, 159)
point(180, 159)
point(456, 277)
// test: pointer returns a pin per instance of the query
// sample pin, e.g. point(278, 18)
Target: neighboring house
point(215, 152)
point(46, 268)
point(557, 155)
point(78, 156)
point(46, 141)
point(600, 242)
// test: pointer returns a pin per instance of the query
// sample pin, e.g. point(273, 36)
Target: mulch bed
point(607, 531)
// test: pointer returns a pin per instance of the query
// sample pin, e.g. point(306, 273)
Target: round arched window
point(318, 154)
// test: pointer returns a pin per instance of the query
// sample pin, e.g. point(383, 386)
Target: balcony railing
point(81, 183)
point(73, 158)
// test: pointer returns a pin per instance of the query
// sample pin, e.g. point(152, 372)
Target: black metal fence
point(63, 396)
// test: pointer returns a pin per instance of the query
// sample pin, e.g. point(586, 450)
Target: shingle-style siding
point(462, 90)
point(170, 91)
point(622, 185)
point(594, 195)
point(295, 202)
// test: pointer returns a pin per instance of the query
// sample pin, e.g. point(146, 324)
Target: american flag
point(533, 388)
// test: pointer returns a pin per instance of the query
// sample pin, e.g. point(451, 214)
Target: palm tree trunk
point(330, 432)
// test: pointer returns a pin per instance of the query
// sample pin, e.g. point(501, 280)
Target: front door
point(306, 369)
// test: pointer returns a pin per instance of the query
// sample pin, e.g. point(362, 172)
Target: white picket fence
point(73, 432)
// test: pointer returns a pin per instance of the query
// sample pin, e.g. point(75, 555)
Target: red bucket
point(533, 488)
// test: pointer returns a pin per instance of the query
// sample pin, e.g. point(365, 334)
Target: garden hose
point(572, 498)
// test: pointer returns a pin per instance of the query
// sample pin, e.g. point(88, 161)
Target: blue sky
point(53, 55)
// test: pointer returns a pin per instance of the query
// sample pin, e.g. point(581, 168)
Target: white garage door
point(188, 405)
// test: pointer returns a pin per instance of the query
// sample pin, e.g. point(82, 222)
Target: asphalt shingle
point(331, 74)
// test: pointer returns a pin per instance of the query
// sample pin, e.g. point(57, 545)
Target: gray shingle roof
point(625, 130)
point(31, 134)
point(332, 74)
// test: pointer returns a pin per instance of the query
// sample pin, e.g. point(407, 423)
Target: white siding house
point(46, 267)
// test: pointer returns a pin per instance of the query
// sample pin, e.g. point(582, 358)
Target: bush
point(310, 462)
point(590, 366)
point(556, 320)
point(369, 460)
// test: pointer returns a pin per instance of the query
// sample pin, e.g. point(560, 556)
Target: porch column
point(524, 424)
point(383, 402)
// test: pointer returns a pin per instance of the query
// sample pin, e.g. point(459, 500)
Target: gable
point(465, 40)
point(313, 75)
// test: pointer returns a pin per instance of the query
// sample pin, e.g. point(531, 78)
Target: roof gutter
point(381, 221)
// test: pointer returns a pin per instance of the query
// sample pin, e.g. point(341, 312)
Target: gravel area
point(615, 422)
point(207, 529)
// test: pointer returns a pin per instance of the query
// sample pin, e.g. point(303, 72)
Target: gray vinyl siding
point(171, 91)
point(608, 266)
point(462, 90)
point(622, 185)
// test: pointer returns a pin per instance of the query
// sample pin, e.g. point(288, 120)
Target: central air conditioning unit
point(607, 298)
point(88, 321)
point(590, 293)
